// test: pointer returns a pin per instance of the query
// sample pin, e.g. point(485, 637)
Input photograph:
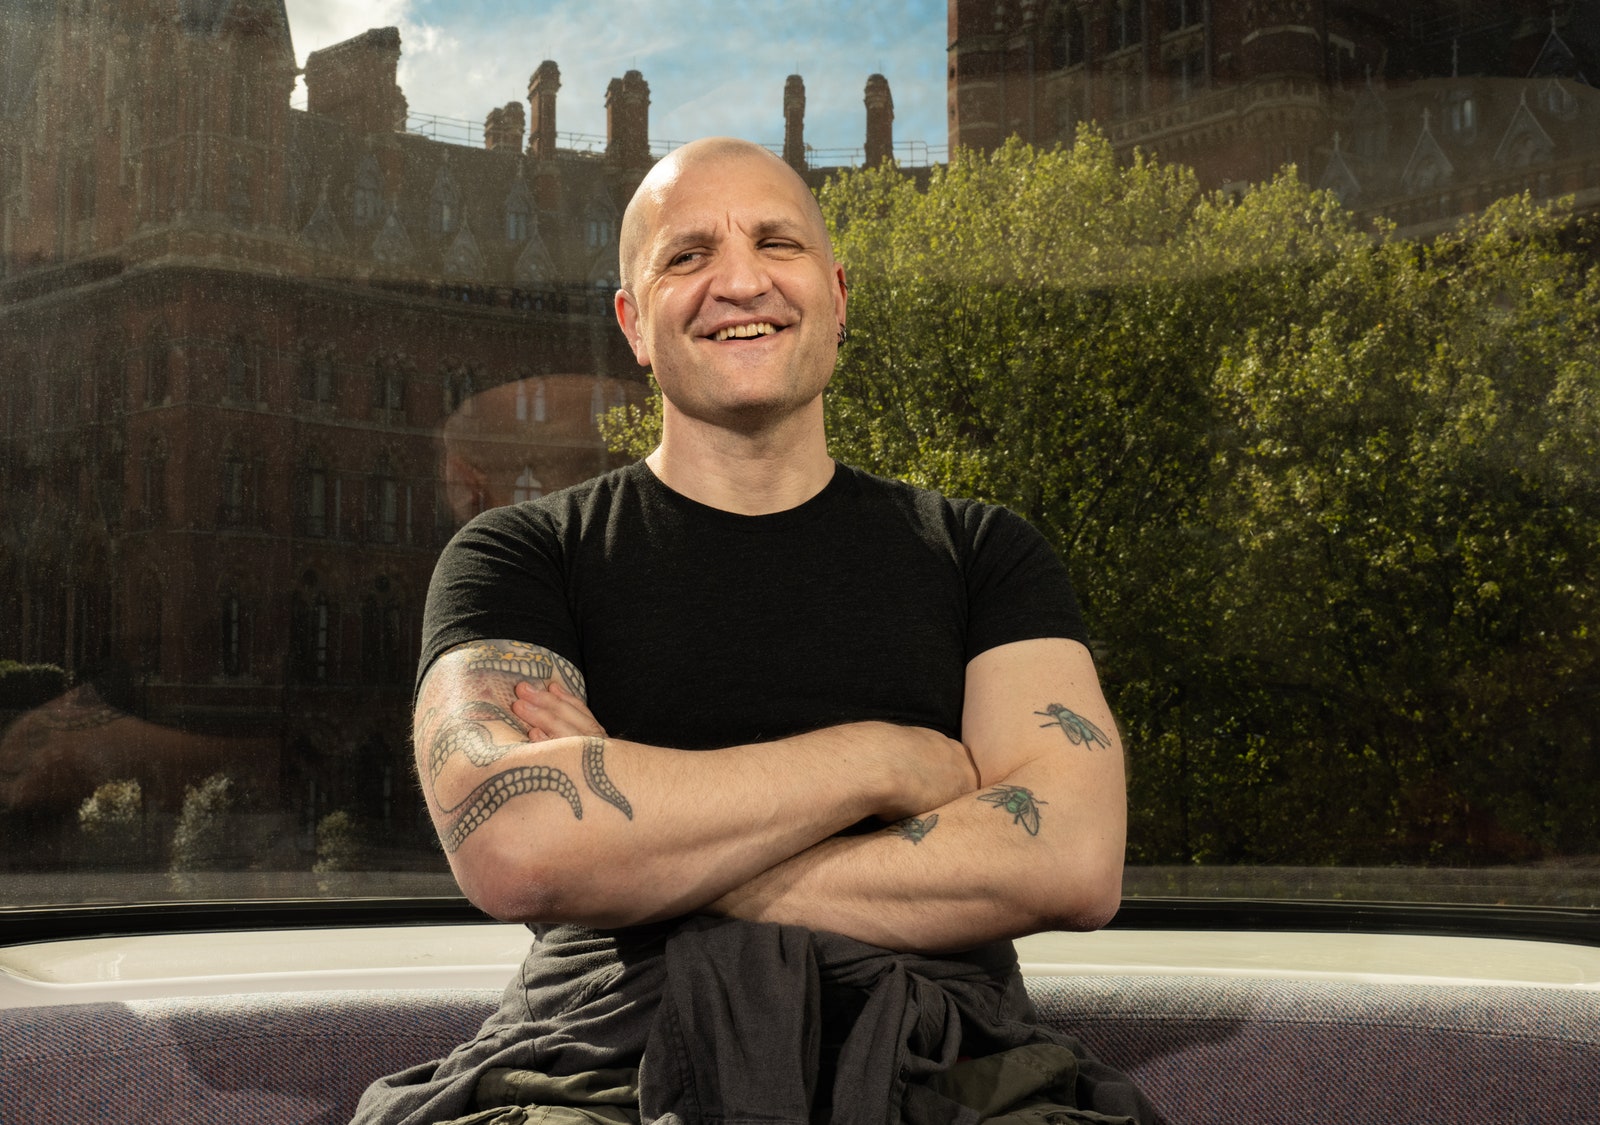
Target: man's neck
point(751, 475)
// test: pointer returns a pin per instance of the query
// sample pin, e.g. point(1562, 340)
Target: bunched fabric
point(735, 1020)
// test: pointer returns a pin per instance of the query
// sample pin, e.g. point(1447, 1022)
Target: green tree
point(1324, 493)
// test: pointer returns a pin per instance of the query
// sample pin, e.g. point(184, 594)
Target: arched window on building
point(239, 387)
point(314, 496)
point(232, 508)
point(1184, 13)
point(153, 485)
point(1069, 37)
point(444, 205)
point(317, 375)
point(321, 622)
point(528, 486)
point(383, 503)
point(158, 367)
point(368, 197)
point(388, 385)
point(517, 216)
point(233, 654)
point(1127, 24)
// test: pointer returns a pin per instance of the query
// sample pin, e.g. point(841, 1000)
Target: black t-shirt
point(697, 628)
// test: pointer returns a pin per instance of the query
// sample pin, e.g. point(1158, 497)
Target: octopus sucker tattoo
point(484, 801)
point(1079, 731)
point(1019, 802)
point(525, 662)
point(914, 828)
point(594, 772)
point(468, 738)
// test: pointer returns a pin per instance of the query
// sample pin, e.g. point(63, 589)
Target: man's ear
point(840, 293)
point(628, 319)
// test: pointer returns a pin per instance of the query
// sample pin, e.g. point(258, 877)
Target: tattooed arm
point(1039, 846)
point(546, 819)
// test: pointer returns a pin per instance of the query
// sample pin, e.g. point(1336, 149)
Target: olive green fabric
point(1030, 1085)
point(1022, 1086)
point(524, 1097)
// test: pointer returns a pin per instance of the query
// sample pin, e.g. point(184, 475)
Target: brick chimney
point(794, 122)
point(542, 89)
point(628, 119)
point(503, 127)
point(354, 82)
point(880, 121)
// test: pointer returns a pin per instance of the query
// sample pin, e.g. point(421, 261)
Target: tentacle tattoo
point(467, 734)
point(914, 828)
point(1079, 731)
point(484, 801)
point(594, 772)
point(468, 738)
point(1019, 802)
point(526, 662)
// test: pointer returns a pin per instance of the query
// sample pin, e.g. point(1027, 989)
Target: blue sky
point(713, 67)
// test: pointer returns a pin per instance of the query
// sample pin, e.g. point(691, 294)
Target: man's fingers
point(554, 711)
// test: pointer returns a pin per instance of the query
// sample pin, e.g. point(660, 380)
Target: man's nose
point(742, 274)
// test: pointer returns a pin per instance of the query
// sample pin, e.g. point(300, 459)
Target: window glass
point(1278, 319)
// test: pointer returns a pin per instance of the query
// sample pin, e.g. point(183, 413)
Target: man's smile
point(746, 331)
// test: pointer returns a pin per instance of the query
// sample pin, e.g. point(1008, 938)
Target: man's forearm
point(604, 832)
point(996, 863)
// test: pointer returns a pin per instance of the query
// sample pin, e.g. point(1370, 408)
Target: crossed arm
point(1017, 828)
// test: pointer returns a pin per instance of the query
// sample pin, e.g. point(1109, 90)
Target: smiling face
point(731, 294)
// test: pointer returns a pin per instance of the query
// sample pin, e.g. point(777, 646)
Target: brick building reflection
point(256, 365)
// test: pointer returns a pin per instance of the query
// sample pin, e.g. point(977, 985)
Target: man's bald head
point(639, 220)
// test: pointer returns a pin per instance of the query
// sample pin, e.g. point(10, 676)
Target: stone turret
point(503, 127)
point(880, 121)
point(794, 122)
point(354, 82)
point(628, 119)
point(542, 87)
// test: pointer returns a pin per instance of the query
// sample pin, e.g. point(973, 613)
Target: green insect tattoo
point(483, 802)
point(1079, 731)
point(915, 828)
point(594, 772)
point(1019, 802)
point(526, 662)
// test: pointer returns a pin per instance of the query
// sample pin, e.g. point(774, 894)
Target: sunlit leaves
point(1331, 498)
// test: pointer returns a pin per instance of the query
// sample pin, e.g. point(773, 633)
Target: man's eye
point(685, 258)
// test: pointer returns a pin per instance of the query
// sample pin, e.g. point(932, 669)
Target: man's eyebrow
point(675, 241)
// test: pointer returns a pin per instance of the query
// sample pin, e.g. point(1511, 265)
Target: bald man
point(736, 709)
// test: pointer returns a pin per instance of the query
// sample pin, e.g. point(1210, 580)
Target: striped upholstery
point(1206, 1049)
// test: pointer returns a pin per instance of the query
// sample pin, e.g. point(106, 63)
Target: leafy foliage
point(1329, 497)
point(200, 841)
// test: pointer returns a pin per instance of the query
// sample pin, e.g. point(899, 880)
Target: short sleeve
point(1017, 587)
point(500, 576)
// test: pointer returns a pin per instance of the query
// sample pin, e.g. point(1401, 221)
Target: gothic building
point(257, 363)
point(1418, 112)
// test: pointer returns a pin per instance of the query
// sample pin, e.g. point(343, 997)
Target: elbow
point(1084, 900)
point(512, 888)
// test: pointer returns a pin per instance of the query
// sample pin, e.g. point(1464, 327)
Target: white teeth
point(744, 331)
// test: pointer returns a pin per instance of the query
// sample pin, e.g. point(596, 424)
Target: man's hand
point(552, 711)
point(1039, 847)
